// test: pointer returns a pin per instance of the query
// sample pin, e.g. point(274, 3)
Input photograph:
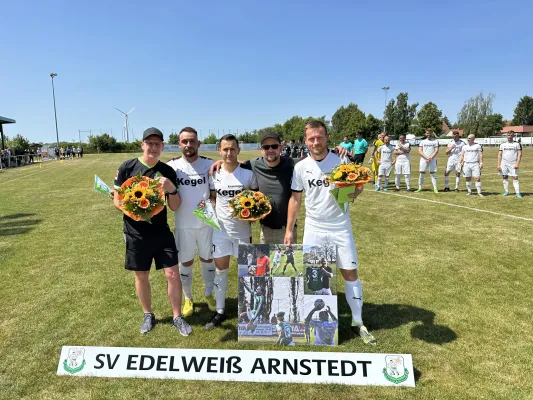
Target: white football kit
point(509, 158)
point(454, 155)
point(233, 231)
point(324, 219)
point(471, 159)
point(428, 148)
point(385, 165)
point(403, 160)
point(193, 185)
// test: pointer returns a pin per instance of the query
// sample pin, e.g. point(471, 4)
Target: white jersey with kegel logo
point(227, 185)
point(404, 155)
point(510, 152)
point(471, 152)
point(429, 146)
point(322, 213)
point(453, 155)
point(193, 185)
point(386, 154)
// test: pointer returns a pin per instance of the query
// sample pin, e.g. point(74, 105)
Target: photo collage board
point(287, 294)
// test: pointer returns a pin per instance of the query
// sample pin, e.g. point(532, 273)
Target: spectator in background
point(347, 145)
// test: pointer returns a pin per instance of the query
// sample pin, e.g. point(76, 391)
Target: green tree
point(347, 121)
point(416, 128)
point(293, 128)
point(430, 116)
point(389, 116)
point(373, 127)
point(523, 113)
point(403, 115)
point(493, 124)
point(248, 137)
point(19, 142)
point(104, 143)
point(472, 116)
point(210, 139)
point(447, 121)
point(173, 138)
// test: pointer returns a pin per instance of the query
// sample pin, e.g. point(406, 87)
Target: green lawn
point(447, 278)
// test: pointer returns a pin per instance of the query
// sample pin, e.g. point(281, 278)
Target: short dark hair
point(315, 124)
point(189, 130)
point(401, 134)
point(228, 137)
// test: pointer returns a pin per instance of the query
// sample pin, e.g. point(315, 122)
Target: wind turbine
point(125, 130)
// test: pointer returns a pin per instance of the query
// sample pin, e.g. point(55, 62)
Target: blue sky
point(250, 64)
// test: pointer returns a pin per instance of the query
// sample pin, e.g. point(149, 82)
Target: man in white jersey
point(428, 150)
point(453, 150)
point(277, 261)
point(471, 160)
point(226, 184)
point(192, 171)
point(509, 158)
point(402, 166)
point(324, 219)
point(385, 164)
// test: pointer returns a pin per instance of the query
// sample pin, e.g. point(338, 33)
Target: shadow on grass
point(390, 316)
point(17, 224)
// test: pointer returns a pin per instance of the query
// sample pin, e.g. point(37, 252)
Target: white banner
point(238, 365)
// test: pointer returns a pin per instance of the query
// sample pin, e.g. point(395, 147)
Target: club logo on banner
point(238, 365)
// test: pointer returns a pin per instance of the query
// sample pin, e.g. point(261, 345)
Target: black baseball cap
point(152, 132)
point(269, 134)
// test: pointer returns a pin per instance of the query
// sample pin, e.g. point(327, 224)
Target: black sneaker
point(446, 189)
point(457, 190)
point(148, 323)
point(215, 321)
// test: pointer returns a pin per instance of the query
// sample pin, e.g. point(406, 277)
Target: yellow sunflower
point(338, 175)
point(149, 192)
point(350, 168)
point(138, 193)
point(247, 202)
point(343, 168)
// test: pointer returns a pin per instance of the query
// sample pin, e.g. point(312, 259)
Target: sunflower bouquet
point(250, 206)
point(342, 179)
point(141, 198)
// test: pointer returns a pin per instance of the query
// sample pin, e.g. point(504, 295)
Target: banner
point(238, 365)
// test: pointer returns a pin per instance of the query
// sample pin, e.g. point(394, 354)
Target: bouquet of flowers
point(250, 206)
point(343, 177)
point(141, 198)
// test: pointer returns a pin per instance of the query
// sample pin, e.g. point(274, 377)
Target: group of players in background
point(466, 157)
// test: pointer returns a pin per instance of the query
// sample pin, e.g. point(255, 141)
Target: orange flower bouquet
point(141, 198)
point(250, 206)
point(343, 177)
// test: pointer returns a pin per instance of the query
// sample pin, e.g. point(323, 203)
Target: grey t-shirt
point(275, 183)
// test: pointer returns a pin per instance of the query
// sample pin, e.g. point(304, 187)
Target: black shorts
point(359, 158)
point(141, 251)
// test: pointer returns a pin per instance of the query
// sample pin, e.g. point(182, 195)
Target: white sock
point(505, 185)
point(221, 287)
point(386, 181)
point(407, 181)
point(469, 186)
point(478, 186)
point(421, 181)
point(380, 180)
point(457, 179)
point(516, 186)
point(397, 181)
point(186, 281)
point(208, 273)
point(446, 181)
point(354, 296)
point(434, 180)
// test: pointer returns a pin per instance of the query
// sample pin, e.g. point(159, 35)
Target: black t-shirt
point(325, 278)
point(276, 183)
point(159, 223)
point(286, 150)
point(295, 151)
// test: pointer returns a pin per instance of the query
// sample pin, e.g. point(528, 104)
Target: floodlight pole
point(385, 89)
point(53, 75)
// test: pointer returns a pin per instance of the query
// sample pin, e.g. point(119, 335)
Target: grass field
point(447, 278)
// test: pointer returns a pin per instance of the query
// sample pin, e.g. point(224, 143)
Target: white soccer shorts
point(509, 170)
point(322, 292)
point(424, 165)
point(188, 240)
point(402, 168)
point(452, 165)
point(384, 169)
point(343, 239)
point(223, 245)
point(471, 169)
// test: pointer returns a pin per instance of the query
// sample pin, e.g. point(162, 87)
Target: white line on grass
point(459, 206)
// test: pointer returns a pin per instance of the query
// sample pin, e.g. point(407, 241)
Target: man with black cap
point(153, 241)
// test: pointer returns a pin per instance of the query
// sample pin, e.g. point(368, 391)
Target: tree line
point(476, 116)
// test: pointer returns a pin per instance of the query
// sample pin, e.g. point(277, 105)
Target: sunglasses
point(270, 146)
